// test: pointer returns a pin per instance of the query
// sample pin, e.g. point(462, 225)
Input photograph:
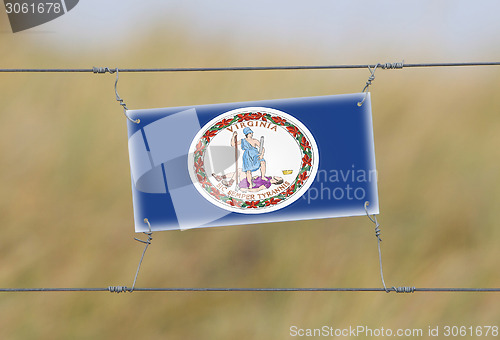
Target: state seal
point(253, 160)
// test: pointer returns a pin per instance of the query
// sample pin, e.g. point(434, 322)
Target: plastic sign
point(252, 162)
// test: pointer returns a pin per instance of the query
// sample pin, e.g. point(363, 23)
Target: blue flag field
point(252, 162)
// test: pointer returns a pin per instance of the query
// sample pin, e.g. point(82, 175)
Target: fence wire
point(397, 65)
point(123, 289)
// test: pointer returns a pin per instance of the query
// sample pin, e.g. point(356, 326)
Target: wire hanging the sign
point(118, 98)
point(122, 289)
point(371, 78)
point(377, 235)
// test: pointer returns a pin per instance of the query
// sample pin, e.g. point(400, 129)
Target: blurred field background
point(66, 207)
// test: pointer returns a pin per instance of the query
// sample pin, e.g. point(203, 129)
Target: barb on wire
point(117, 289)
point(392, 66)
point(103, 70)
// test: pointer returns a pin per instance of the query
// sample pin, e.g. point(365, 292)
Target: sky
point(336, 31)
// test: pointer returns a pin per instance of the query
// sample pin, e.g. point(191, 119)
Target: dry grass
point(66, 210)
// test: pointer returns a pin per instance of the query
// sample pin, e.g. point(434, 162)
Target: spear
point(236, 161)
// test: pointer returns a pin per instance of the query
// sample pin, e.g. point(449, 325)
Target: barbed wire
point(121, 289)
point(398, 65)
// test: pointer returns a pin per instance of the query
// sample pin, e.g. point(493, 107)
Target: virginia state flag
point(252, 162)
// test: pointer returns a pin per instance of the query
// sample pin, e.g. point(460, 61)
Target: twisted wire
point(147, 242)
point(379, 239)
point(118, 99)
point(404, 289)
point(392, 66)
point(117, 289)
point(368, 83)
point(102, 70)
point(377, 234)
